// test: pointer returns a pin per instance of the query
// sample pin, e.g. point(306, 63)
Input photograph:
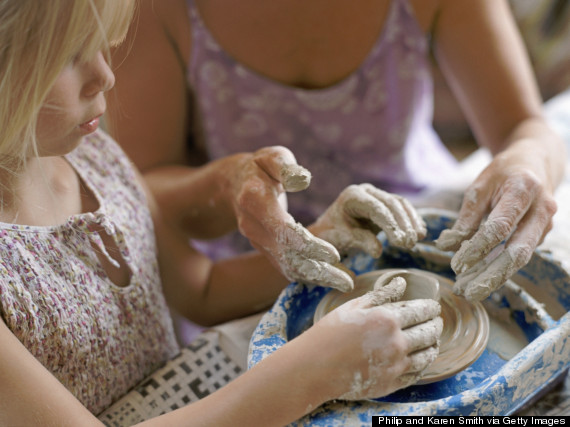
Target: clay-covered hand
point(382, 346)
point(520, 207)
point(360, 212)
point(258, 191)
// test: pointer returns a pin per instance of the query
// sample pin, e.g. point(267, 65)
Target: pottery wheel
point(465, 325)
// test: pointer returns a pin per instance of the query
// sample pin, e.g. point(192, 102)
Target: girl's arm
point(359, 350)
point(199, 289)
point(483, 58)
point(30, 395)
point(209, 293)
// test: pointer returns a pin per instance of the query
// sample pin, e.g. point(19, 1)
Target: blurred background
point(545, 28)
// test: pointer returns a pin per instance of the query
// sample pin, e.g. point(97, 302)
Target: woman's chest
point(312, 44)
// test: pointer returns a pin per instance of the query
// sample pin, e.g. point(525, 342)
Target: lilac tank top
point(373, 126)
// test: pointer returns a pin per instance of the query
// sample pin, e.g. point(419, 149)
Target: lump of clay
point(419, 284)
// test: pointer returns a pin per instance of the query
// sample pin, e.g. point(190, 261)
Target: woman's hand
point(518, 199)
point(360, 212)
point(373, 346)
point(482, 55)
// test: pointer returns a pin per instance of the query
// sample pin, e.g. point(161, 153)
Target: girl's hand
point(360, 212)
point(373, 346)
point(520, 205)
point(257, 188)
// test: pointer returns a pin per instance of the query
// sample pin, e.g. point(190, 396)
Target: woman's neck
point(45, 192)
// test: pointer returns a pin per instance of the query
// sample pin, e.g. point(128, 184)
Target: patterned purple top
point(98, 339)
point(374, 126)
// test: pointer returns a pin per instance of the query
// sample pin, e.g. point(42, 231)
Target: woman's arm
point(482, 57)
point(148, 110)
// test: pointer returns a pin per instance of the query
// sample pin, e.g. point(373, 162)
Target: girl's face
point(73, 106)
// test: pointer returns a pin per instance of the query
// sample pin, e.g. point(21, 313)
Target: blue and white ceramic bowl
point(527, 353)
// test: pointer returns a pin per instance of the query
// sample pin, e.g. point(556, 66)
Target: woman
point(348, 91)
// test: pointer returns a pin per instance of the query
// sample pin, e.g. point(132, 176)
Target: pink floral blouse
point(98, 339)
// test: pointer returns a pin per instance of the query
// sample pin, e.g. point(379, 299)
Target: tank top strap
point(202, 40)
point(193, 12)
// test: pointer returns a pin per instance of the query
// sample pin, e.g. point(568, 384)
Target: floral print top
point(97, 338)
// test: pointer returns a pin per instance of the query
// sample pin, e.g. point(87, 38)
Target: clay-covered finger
point(409, 222)
point(364, 205)
point(477, 248)
point(296, 238)
point(464, 279)
point(418, 223)
point(450, 240)
point(346, 239)
point(413, 312)
point(333, 277)
point(505, 218)
point(488, 275)
point(470, 216)
point(404, 213)
point(485, 277)
point(488, 237)
point(478, 283)
point(420, 360)
point(280, 164)
point(424, 335)
point(313, 272)
point(391, 283)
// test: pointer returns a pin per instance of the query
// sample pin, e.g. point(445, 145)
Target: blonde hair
point(38, 38)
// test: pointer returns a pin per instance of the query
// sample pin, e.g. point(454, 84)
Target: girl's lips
point(90, 126)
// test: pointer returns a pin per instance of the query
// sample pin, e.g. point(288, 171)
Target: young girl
point(85, 256)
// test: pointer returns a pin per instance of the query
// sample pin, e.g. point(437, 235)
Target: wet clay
point(419, 322)
point(295, 178)
point(464, 337)
point(303, 257)
point(465, 329)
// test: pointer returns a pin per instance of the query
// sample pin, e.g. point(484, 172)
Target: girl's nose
point(100, 76)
